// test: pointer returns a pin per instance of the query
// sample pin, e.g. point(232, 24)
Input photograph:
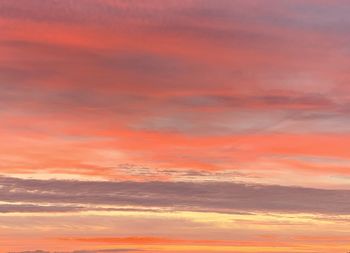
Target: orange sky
point(174, 126)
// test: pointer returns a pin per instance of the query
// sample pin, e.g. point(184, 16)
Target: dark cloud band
point(204, 196)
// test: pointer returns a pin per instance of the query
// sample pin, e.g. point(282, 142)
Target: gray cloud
point(66, 11)
point(314, 101)
point(30, 208)
point(205, 196)
point(229, 11)
point(57, 208)
point(119, 65)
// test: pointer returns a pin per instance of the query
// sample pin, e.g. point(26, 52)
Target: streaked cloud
point(155, 125)
point(208, 196)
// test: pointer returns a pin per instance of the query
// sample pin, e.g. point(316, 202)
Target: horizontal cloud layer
point(211, 196)
point(227, 106)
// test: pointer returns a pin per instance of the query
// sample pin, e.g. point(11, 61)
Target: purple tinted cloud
point(208, 196)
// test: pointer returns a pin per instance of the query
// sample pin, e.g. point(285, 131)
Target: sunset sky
point(174, 126)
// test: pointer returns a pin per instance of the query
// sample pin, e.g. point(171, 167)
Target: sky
point(166, 126)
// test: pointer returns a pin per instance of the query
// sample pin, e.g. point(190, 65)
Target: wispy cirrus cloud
point(200, 74)
point(193, 119)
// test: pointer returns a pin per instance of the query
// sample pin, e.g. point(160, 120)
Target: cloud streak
point(227, 108)
point(211, 196)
